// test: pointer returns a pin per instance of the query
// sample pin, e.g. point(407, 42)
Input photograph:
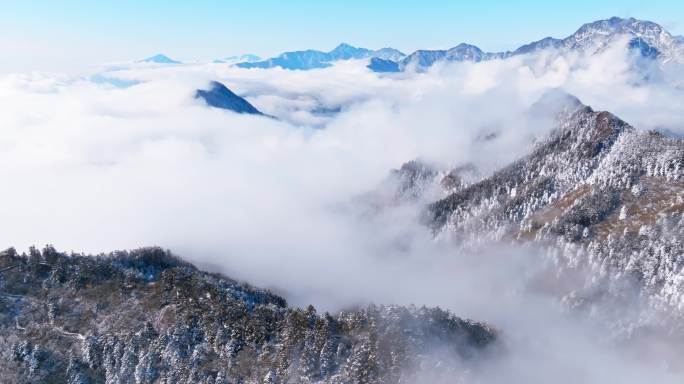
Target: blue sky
point(44, 35)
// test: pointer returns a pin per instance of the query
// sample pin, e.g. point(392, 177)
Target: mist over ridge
point(539, 194)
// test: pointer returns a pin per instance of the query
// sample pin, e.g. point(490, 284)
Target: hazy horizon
point(79, 35)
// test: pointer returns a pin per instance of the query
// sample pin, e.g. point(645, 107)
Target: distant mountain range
point(312, 59)
point(219, 96)
point(646, 38)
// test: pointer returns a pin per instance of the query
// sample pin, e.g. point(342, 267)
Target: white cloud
point(92, 167)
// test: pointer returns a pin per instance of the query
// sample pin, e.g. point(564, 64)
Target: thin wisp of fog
point(328, 197)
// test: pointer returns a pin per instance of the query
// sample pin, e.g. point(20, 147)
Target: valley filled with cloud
point(302, 200)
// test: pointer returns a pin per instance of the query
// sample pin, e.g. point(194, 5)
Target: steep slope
point(312, 59)
point(606, 198)
point(219, 96)
point(147, 317)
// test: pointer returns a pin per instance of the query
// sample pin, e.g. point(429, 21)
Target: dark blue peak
point(381, 65)
point(219, 96)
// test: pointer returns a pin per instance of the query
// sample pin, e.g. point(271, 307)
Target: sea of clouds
point(127, 157)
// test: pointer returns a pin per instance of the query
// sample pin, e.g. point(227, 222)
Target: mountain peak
point(160, 59)
point(344, 46)
point(556, 102)
point(345, 51)
point(389, 53)
point(466, 46)
point(649, 39)
point(653, 40)
point(219, 96)
point(620, 25)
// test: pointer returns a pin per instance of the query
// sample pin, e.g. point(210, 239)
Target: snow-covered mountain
point(545, 43)
point(461, 52)
point(312, 59)
point(596, 35)
point(646, 38)
point(387, 54)
point(147, 317)
point(604, 199)
point(599, 201)
point(246, 58)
